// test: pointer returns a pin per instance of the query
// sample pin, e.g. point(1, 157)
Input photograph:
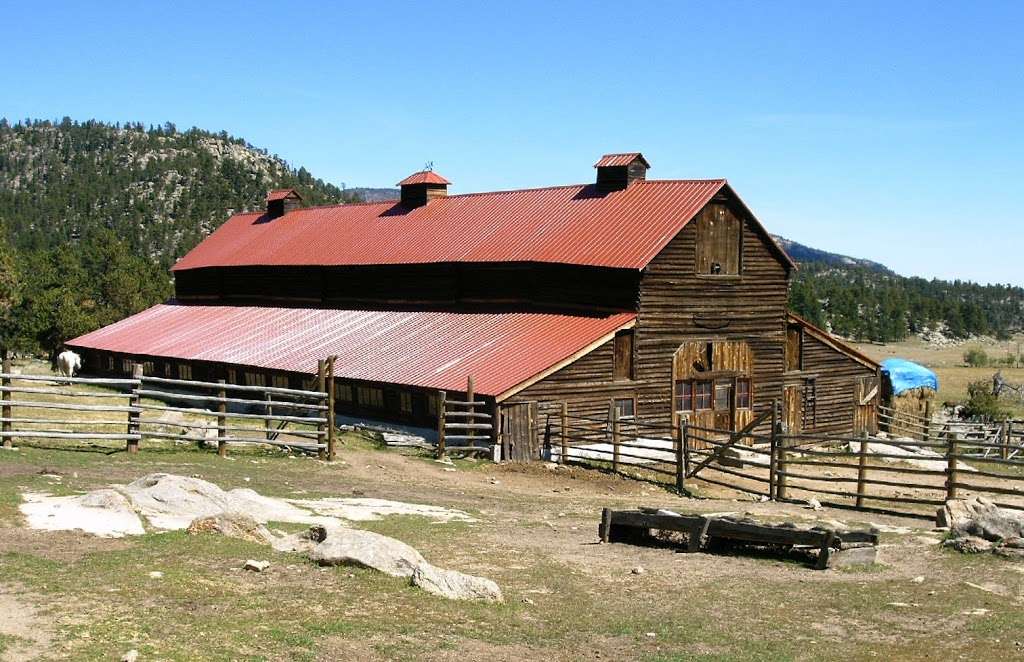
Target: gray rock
point(256, 566)
point(969, 544)
point(367, 549)
point(232, 525)
point(130, 656)
point(455, 585)
point(979, 517)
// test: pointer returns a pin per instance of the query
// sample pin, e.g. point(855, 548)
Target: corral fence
point(145, 408)
point(463, 424)
point(904, 475)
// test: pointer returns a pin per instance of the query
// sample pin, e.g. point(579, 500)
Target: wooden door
point(519, 432)
point(793, 408)
point(865, 413)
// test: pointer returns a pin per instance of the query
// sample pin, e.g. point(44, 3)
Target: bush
point(981, 402)
point(976, 358)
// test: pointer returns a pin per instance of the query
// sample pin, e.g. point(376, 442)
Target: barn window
point(719, 235)
point(684, 396)
point(743, 394)
point(626, 407)
point(343, 392)
point(370, 397)
point(279, 381)
point(184, 371)
point(723, 395)
point(623, 355)
point(702, 396)
point(405, 402)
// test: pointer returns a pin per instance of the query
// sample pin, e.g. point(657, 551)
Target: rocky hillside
point(159, 189)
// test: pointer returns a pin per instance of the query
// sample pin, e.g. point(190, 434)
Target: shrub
point(981, 402)
point(976, 358)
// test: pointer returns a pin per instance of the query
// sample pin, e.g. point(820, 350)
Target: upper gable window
point(719, 241)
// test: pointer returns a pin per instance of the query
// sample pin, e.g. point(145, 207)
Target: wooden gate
point(519, 437)
point(865, 416)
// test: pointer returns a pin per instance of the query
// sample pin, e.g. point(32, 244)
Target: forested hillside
point(92, 215)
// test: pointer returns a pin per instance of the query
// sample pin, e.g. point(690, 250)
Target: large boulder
point(344, 546)
point(455, 585)
point(980, 518)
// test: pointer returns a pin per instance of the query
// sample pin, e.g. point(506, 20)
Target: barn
point(658, 299)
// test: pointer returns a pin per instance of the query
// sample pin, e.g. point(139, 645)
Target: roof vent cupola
point(282, 201)
point(421, 187)
point(617, 171)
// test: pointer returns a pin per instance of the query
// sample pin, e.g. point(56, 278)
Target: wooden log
point(862, 469)
point(308, 420)
point(616, 438)
point(222, 409)
point(469, 398)
point(5, 410)
point(57, 391)
point(132, 446)
point(264, 402)
point(951, 474)
point(682, 441)
point(332, 429)
point(321, 385)
point(773, 453)
point(1004, 439)
point(780, 445)
point(62, 434)
point(441, 405)
point(604, 531)
point(313, 395)
point(36, 404)
point(70, 380)
point(563, 433)
point(268, 422)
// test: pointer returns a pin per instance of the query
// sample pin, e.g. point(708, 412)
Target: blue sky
point(891, 131)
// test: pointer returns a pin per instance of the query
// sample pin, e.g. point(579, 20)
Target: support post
point(6, 396)
point(132, 445)
point(927, 421)
point(440, 424)
point(321, 386)
point(773, 454)
point(686, 449)
point(268, 424)
point(471, 410)
point(563, 433)
point(682, 439)
point(616, 438)
point(1004, 434)
point(780, 445)
point(222, 419)
point(862, 468)
point(951, 477)
point(332, 429)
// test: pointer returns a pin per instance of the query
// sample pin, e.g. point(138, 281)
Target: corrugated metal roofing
point(423, 177)
point(566, 224)
point(427, 349)
point(620, 159)
point(281, 194)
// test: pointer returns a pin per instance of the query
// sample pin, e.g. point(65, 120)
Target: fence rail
point(169, 409)
point(907, 475)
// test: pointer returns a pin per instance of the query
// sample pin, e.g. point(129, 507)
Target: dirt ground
point(567, 596)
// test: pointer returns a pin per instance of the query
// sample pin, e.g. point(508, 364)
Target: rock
point(455, 585)
point(918, 580)
point(156, 574)
point(232, 525)
point(969, 544)
point(130, 656)
point(979, 517)
point(344, 546)
point(256, 566)
point(639, 570)
point(813, 504)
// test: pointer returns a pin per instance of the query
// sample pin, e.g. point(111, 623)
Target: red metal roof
point(427, 349)
point(620, 159)
point(423, 177)
point(565, 224)
point(281, 194)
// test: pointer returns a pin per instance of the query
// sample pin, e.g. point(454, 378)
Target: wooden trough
point(836, 548)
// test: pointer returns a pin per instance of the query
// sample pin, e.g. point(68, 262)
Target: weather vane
point(429, 166)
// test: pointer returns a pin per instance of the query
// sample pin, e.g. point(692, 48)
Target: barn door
point(519, 432)
point(793, 408)
point(865, 418)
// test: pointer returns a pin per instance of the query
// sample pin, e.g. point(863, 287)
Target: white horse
point(68, 363)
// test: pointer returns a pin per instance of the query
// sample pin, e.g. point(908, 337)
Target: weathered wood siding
point(837, 380)
point(678, 305)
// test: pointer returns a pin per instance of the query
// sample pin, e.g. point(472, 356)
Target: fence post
point(862, 468)
point(951, 477)
point(773, 453)
point(616, 432)
point(6, 410)
point(682, 439)
point(268, 425)
point(440, 423)
point(1004, 435)
point(222, 419)
point(321, 428)
point(332, 429)
point(564, 433)
point(780, 445)
point(132, 445)
point(471, 409)
point(927, 422)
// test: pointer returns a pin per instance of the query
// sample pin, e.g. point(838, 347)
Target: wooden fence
point(464, 422)
point(909, 476)
point(153, 408)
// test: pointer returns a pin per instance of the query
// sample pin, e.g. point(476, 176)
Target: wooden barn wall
point(837, 377)
point(518, 286)
point(585, 385)
point(677, 305)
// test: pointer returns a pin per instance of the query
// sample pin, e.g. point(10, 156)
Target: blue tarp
point(905, 375)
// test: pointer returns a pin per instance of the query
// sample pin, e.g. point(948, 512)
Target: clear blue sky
point(891, 131)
